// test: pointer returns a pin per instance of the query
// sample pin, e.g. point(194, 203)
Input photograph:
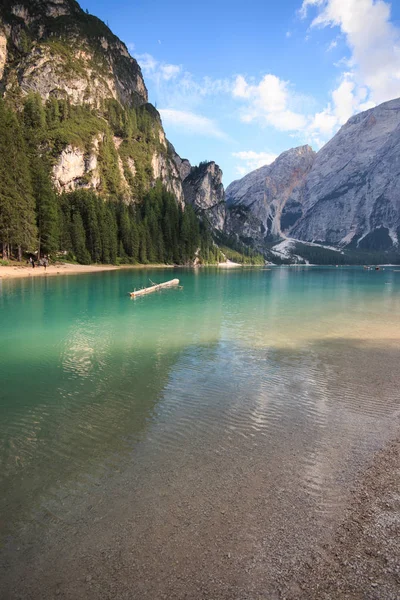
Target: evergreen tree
point(47, 213)
point(108, 160)
point(17, 205)
point(78, 239)
point(34, 115)
point(53, 115)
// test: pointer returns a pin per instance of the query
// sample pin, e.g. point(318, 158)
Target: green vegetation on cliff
point(17, 204)
point(82, 45)
point(90, 226)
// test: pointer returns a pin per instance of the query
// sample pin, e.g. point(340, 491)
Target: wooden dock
point(154, 288)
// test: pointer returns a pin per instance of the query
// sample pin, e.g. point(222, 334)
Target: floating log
point(154, 288)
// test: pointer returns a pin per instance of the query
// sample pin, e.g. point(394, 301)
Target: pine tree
point(34, 115)
point(48, 222)
point(108, 160)
point(17, 205)
point(135, 237)
point(125, 230)
point(78, 239)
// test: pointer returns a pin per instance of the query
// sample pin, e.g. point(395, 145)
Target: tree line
point(83, 225)
point(156, 231)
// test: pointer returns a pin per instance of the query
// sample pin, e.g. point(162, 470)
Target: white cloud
point(332, 46)
point(253, 160)
point(241, 88)
point(373, 40)
point(131, 47)
point(190, 122)
point(156, 70)
point(272, 102)
point(371, 75)
point(288, 34)
point(147, 63)
point(177, 88)
point(306, 4)
point(170, 71)
point(346, 100)
point(268, 102)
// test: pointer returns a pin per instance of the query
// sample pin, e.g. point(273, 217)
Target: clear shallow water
point(247, 388)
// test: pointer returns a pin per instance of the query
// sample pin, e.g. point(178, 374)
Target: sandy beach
point(229, 264)
point(19, 271)
point(16, 272)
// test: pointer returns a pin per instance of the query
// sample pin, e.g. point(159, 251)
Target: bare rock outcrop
point(182, 164)
point(346, 195)
point(55, 55)
point(3, 52)
point(204, 190)
point(165, 169)
point(266, 191)
point(75, 169)
point(351, 195)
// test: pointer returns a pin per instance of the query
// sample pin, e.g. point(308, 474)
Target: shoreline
point(362, 558)
point(25, 271)
point(19, 272)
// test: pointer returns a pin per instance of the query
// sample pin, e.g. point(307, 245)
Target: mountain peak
point(56, 49)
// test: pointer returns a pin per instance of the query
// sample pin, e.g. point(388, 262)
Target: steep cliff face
point(54, 48)
point(74, 112)
point(351, 195)
point(164, 168)
point(75, 170)
point(182, 164)
point(204, 190)
point(345, 196)
point(265, 193)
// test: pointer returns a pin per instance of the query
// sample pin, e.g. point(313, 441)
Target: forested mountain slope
point(81, 149)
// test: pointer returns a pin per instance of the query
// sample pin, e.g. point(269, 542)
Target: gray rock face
point(204, 190)
point(72, 167)
point(346, 195)
point(182, 164)
point(266, 191)
point(56, 49)
point(351, 195)
point(164, 168)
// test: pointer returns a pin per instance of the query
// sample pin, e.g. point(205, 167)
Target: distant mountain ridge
point(347, 195)
point(351, 197)
point(266, 191)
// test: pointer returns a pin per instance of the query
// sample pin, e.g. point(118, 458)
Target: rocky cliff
point(264, 194)
point(203, 189)
point(345, 196)
point(351, 194)
point(103, 127)
point(56, 49)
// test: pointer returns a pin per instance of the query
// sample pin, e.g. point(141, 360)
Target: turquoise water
point(297, 367)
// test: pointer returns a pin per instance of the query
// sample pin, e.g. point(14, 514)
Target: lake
point(196, 442)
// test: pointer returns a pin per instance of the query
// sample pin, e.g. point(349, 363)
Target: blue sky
point(240, 82)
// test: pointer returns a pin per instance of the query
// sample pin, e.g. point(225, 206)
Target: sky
point(240, 82)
